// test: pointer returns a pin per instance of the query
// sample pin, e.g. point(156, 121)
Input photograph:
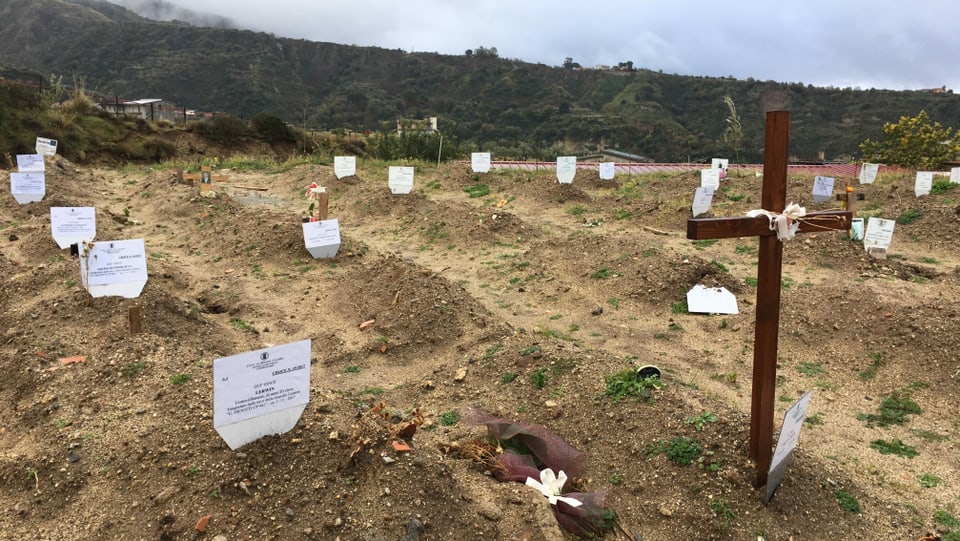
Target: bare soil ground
point(537, 291)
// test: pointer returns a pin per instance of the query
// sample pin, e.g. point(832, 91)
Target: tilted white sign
point(710, 178)
point(868, 172)
point(344, 166)
point(786, 443)
point(322, 238)
point(30, 163)
point(702, 199)
point(47, 147)
point(73, 225)
point(566, 169)
point(480, 162)
point(28, 187)
point(400, 179)
point(924, 183)
point(260, 392)
point(711, 300)
point(607, 170)
point(114, 268)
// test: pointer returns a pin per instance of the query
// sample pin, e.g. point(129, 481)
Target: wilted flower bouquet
point(317, 195)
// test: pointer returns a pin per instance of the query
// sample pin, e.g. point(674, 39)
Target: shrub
point(683, 451)
point(272, 128)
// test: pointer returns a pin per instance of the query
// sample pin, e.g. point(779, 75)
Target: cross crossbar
point(759, 226)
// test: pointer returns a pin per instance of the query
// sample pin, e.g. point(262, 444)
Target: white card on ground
point(322, 238)
point(260, 393)
point(400, 179)
point(566, 169)
point(711, 300)
point(72, 225)
point(923, 183)
point(30, 163)
point(719, 163)
point(27, 187)
point(822, 188)
point(46, 147)
point(480, 162)
point(786, 442)
point(114, 268)
point(955, 175)
point(868, 173)
point(702, 200)
point(607, 170)
point(344, 166)
point(710, 178)
point(879, 233)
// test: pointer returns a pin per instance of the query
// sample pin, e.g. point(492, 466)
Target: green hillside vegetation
point(509, 107)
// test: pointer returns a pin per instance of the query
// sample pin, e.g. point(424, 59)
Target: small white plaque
point(322, 238)
point(719, 163)
point(868, 173)
point(27, 187)
point(30, 163)
point(710, 178)
point(73, 225)
point(786, 442)
point(344, 166)
point(46, 147)
point(260, 392)
point(702, 199)
point(480, 162)
point(607, 170)
point(114, 268)
point(923, 183)
point(566, 169)
point(822, 188)
point(711, 300)
point(879, 233)
point(955, 175)
point(400, 179)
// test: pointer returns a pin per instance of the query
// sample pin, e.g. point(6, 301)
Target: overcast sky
point(892, 44)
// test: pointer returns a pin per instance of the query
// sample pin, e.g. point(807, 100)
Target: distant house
point(151, 109)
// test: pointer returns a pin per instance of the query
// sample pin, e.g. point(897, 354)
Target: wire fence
point(827, 169)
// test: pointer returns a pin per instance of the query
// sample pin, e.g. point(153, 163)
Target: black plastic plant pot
point(648, 371)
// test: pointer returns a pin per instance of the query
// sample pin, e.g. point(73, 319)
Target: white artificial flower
point(550, 485)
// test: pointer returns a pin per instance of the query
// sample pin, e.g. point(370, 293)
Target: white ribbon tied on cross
point(786, 223)
point(550, 485)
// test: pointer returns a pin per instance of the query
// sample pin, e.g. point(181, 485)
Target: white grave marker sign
point(955, 175)
point(260, 392)
point(566, 169)
point(711, 300)
point(480, 162)
point(719, 163)
point(114, 268)
point(30, 163)
point(46, 147)
point(702, 199)
point(27, 187)
point(879, 233)
point(923, 183)
point(607, 170)
point(400, 179)
point(344, 166)
point(786, 443)
point(710, 178)
point(322, 238)
point(73, 225)
point(822, 188)
point(868, 172)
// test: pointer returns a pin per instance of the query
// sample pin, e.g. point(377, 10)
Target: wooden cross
point(773, 198)
point(205, 177)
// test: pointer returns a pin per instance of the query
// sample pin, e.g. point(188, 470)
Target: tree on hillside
point(913, 142)
point(486, 52)
point(733, 133)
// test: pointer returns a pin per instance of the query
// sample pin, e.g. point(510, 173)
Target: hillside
point(507, 106)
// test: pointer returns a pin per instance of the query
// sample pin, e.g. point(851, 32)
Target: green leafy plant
point(134, 368)
point(627, 383)
point(909, 216)
point(683, 451)
point(704, 243)
point(913, 142)
point(352, 370)
point(508, 377)
point(815, 420)
point(577, 210)
point(894, 447)
point(941, 186)
point(477, 190)
point(871, 371)
point(750, 281)
point(846, 500)
point(721, 510)
point(538, 378)
point(449, 418)
point(179, 379)
point(240, 325)
point(893, 410)
point(679, 307)
point(928, 480)
point(809, 369)
point(602, 274)
point(699, 420)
